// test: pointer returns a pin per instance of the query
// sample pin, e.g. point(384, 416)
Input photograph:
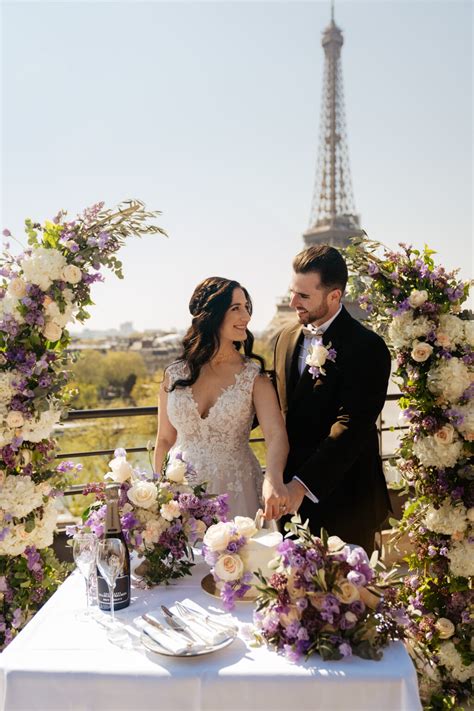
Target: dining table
point(60, 661)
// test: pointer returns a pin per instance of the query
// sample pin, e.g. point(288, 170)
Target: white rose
point(442, 339)
point(245, 526)
point(170, 510)
point(52, 331)
point(71, 274)
point(348, 592)
point(350, 617)
point(176, 471)
point(143, 494)
point(218, 536)
point(445, 628)
point(121, 470)
point(335, 544)
point(229, 567)
point(417, 298)
point(317, 356)
point(14, 419)
point(421, 351)
point(17, 288)
point(445, 435)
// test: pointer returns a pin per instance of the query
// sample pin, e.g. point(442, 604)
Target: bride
point(209, 398)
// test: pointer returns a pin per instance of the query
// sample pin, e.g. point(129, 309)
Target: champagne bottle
point(113, 529)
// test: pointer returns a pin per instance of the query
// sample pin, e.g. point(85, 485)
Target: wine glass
point(84, 550)
point(110, 561)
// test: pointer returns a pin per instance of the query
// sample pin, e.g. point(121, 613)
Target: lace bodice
point(217, 445)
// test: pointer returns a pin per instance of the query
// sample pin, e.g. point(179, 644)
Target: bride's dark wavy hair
point(209, 304)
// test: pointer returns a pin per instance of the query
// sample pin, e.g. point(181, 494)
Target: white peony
point(143, 494)
point(71, 274)
point(17, 288)
point(52, 331)
point(245, 526)
point(218, 536)
point(37, 430)
point(229, 567)
point(417, 298)
point(43, 267)
point(461, 559)
point(449, 379)
point(447, 519)
point(20, 496)
point(433, 453)
point(445, 627)
point(170, 510)
point(421, 351)
point(121, 470)
point(404, 329)
point(176, 471)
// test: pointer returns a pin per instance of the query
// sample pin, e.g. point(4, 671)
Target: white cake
point(258, 552)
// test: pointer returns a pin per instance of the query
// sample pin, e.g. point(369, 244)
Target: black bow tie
point(312, 332)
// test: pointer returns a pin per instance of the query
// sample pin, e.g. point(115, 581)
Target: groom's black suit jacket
point(331, 425)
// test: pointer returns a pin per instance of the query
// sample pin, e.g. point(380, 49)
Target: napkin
point(169, 639)
point(213, 634)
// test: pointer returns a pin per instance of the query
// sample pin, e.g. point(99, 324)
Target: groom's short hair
point(326, 261)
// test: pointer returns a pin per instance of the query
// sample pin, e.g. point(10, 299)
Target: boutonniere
point(317, 356)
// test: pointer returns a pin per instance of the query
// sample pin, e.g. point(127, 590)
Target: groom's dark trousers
point(331, 425)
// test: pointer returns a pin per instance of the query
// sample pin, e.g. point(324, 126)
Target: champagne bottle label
point(121, 592)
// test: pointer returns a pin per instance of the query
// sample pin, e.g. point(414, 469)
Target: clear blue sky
point(209, 111)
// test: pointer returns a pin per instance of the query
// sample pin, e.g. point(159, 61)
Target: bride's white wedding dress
point(217, 446)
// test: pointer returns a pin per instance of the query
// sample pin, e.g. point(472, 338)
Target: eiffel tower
point(333, 218)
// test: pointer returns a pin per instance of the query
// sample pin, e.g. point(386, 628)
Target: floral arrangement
point(418, 307)
point(317, 357)
point(322, 599)
point(42, 289)
point(161, 515)
point(223, 549)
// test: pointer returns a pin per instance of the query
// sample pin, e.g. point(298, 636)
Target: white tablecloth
point(58, 662)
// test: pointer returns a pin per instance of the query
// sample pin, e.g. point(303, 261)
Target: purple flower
point(345, 649)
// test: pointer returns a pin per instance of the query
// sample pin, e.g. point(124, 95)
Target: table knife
point(178, 624)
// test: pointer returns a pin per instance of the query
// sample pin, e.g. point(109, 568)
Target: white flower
point(317, 356)
point(432, 453)
point(404, 329)
point(121, 470)
point(218, 536)
point(170, 510)
point(335, 544)
point(71, 274)
point(52, 331)
point(176, 471)
point(195, 529)
point(449, 379)
point(245, 526)
point(9, 307)
point(17, 288)
point(450, 331)
point(229, 567)
point(461, 559)
point(14, 419)
point(7, 390)
point(470, 514)
point(445, 627)
point(37, 430)
point(421, 351)
point(450, 658)
point(54, 313)
point(43, 267)
point(350, 617)
point(153, 530)
point(466, 427)
point(447, 519)
point(348, 592)
point(417, 298)
point(469, 331)
point(20, 496)
point(445, 435)
point(143, 494)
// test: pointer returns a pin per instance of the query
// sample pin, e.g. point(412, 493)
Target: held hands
point(275, 499)
point(296, 492)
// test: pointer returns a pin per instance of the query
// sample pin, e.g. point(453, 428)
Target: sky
point(209, 112)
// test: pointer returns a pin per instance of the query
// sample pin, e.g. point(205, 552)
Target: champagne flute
point(110, 561)
point(84, 550)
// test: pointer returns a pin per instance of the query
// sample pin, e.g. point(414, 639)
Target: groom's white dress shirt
point(303, 354)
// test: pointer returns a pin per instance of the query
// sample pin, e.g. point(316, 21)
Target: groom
point(334, 471)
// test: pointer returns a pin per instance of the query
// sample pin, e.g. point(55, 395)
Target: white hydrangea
point(53, 313)
point(36, 430)
point(9, 307)
point(17, 539)
point(450, 658)
point(19, 496)
point(7, 389)
point(404, 329)
point(448, 519)
point(469, 332)
point(431, 453)
point(43, 267)
point(466, 428)
point(461, 558)
point(450, 331)
point(449, 379)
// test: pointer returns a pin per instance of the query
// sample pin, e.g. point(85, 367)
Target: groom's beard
point(320, 314)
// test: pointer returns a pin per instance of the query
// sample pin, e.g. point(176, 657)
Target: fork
point(188, 612)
